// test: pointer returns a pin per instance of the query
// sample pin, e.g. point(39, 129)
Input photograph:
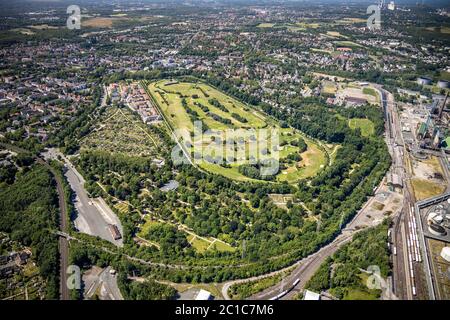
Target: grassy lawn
point(199, 245)
point(169, 95)
point(365, 125)
point(424, 189)
point(329, 87)
point(313, 159)
point(179, 118)
point(312, 25)
point(350, 21)
point(144, 229)
point(356, 294)
point(445, 75)
point(347, 44)
point(221, 246)
point(370, 91)
point(265, 25)
point(321, 50)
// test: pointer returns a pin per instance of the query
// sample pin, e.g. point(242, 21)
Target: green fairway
point(365, 125)
point(182, 103)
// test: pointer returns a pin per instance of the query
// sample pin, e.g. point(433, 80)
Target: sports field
point(182, 103)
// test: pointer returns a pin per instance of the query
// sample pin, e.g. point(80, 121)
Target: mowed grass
point(365, 125)
point(350, 44)
point(265, 25)
point(424, 189)
point(146, 226)
point(201, 245)
point(329, 87)
point(221, 246)
point(179, 117)
point(313, 159)
point(169, 95)
point(350, 20)
point(445, 30)
point(198, 244)
point(98, 22)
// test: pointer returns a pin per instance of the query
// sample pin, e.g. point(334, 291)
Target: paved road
point(93, 215)
point(306, 268)
point(106, 285)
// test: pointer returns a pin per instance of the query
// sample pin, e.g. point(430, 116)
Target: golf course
point(231, 138)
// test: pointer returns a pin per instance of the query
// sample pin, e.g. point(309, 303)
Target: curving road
point(305, 268)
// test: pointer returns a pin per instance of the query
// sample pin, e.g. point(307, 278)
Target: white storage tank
point(445, 253)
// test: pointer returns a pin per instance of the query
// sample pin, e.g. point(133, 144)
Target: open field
point(329, 87)
point(199, 244)
point(445, 30)
point(103, 22)
point(119, 131)
point(365, 125)
point(24, 31)
point(312, 161)
point(98, 22)
point(370, 91)
point(335, 34)
point(298, 26)
point(424, 189)
point(43, 27)
point(313, 25)
point(182, 103)
point(445, 75)
point(265, 25)
point(350, 20)
point(347, 44)
point(321, 50)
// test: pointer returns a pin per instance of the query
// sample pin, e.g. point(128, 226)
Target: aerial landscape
point(224, 150)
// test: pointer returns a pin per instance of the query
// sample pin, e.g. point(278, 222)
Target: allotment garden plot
point(120, 131)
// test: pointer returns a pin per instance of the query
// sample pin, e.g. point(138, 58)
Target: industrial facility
point(434, 133)
point(434, 230)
